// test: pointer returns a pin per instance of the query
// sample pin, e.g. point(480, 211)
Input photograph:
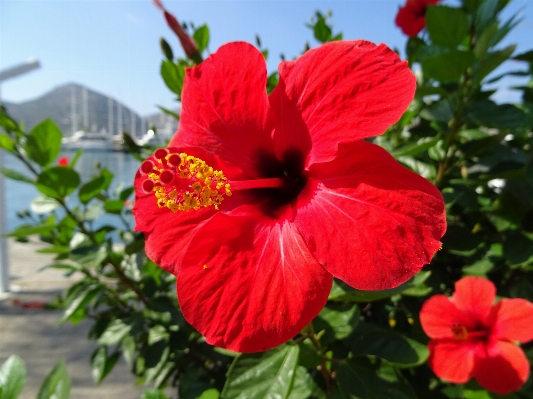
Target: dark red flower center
point(289, 170)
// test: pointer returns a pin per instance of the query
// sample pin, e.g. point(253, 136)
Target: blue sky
point(112, 46)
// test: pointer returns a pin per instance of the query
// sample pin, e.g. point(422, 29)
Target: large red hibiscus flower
point(473, 337)
point(310, 198)
point(411, 18)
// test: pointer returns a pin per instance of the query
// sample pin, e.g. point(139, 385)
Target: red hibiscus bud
point(187, 43)
point(411, 18)
point(63, 161)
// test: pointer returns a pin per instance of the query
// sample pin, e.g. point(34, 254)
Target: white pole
point(9, 73)
point(4, 265)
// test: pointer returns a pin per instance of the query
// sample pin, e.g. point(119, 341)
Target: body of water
point(18, 195)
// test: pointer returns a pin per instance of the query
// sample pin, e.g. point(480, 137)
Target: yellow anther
point(459, 332)
point(205, 267)
point(198, 186)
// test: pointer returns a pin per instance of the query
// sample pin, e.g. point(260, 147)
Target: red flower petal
point(167, 233)
point(259, 287)
point(502, 368)
point(513, 320)
point(438, 315)
point(342, 92)
point(387, 219)
point(474, 296)
point(225, 106)
point(452, 360)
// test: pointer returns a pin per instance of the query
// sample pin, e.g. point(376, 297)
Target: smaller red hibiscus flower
point(188, 44)
point(411, 18)
point(472, 337)
point(63, 161)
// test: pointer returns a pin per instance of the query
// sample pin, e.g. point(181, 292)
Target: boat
point(88, 141)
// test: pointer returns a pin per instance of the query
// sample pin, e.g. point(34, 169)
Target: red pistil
point(274, 182)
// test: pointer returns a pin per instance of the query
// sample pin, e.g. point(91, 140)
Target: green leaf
point(166, 49)
point(201, 37)
point(153, 394)
point(28, 230)
point(88, 255)
point(79, 298)
point(517, 248)
point(483, 43)
point(441, 31)
point(262, 375)
point(493, 60)
point(486, 13)
point(6, 142)
point(396, 348)
point(44, 142)
point(344, 293)
point(415, 148)
point(169, 112)
point(458, 238)
point(499, 116)
point(529, 171)
point(305, 387)
point(102, 364)
point(210, 394)
point(114, 333)
point(12, 377)
point(173, 76)
point(358, 379)
point(13, 174)
point(321, 29)
point(337, 320)
point(91, 189)
point(114, 206)
point(57, 182)
point(56, 385)
point(449, 66)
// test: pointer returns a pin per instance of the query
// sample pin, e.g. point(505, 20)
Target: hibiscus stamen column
point(182, 182)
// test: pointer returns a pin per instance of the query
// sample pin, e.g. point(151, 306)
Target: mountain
point(93, 111)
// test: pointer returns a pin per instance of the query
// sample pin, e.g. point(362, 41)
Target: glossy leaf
point(6, 142)
point(56, 385)
point(154, 394)
point(44, 142)
point(91, 189)
point(58, 182)
point(173, 76)
point(114, 333)
point(448, 66)
point(114, 206)
point(102, 364)
point(201, 37)
point(12, 377)
point(79, 298)
point(342, 292)
point(493, 60)
point(305, 387)
point(358, 379)
point(441, 31)
point(261, 375)
point(387, 344)
point(337, 321)
point(13, 174)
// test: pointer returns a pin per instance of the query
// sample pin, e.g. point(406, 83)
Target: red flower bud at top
point(187, 43)
point(63, 161)
point(411, 18)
